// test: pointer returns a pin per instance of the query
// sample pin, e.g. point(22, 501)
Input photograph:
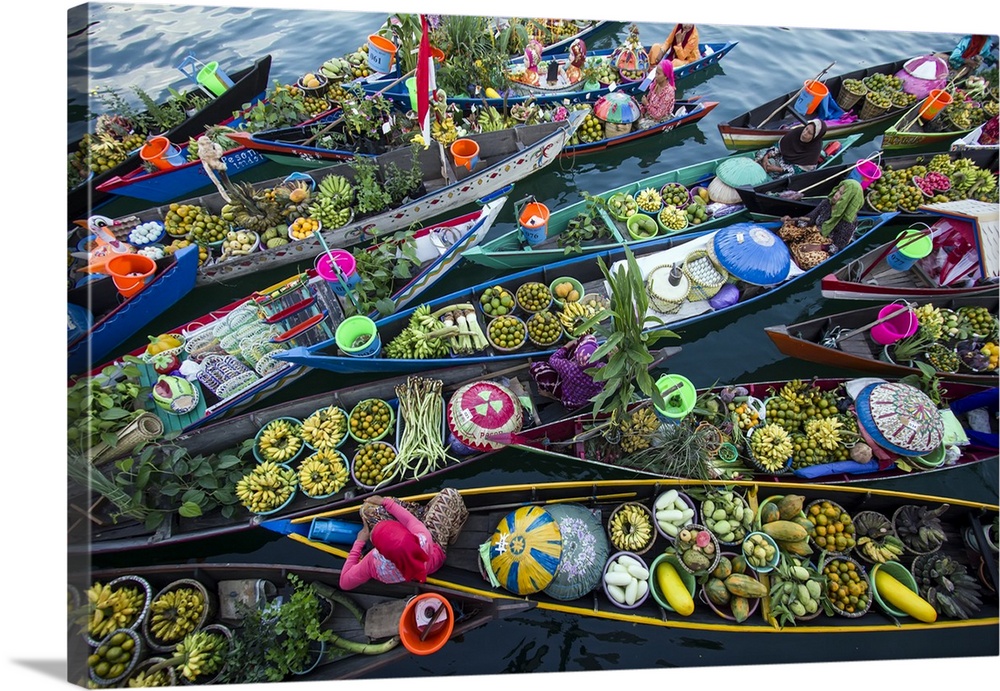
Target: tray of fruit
point(942, 358)
point(267, 488)
point(497, 301)
point(833, 528)
point(649, 201)
point(982, 323)
point(727, 515)
point(279, 441)
point(847, 586)
point(731, 590)
point(115, 657)
point(323, 473)
point(544, 329)
point(373, 464)
point(326, 428)
point(697, 213)
point(507, 333)
point(697, 549)
point(370, 420)
point(675, 193)
point(622, 205)
point(631, 528)
point(770, 448)
point(673, 218)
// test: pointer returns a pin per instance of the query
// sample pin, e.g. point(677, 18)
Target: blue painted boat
point(584, 269)
point(399, 94)
point(114, 319)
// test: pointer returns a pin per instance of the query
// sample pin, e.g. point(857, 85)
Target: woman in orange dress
point(681, 46)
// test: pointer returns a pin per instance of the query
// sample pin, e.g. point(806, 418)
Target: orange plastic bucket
point(936, 100)
point(534, 222)
point(437, 54)
point(381, 52)
point(812, 94)
point(130, 272)
point(465, 153)
point(417, 617)
point(161, 153)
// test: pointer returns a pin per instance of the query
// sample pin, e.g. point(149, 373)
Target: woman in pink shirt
point(404, 547)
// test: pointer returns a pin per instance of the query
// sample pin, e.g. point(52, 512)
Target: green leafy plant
point(405, 31)
point(284, 107)
point(927, 381)
point(585, 226)
point(113, 103)
point(99, 407)
point(371, 196)
point(365, 116)
point(400, 184)
point(296, 623)
point(627, 339)
point(913, 347)
point(247, 662)
point(162, 117)
point(379, 268)
point(475, 54)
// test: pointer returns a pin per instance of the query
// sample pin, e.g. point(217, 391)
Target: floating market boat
point(368, 622)
point(101, 318)
point(235, 344)
point(764, 125)
point(957, 231)
point(594, 528)
point(705, 416)
point(797, 195)
point(504, 158)
point(104, 535)
point(249, 85)
point(845, 339)
point(585, 28)
point(678, 304)
point(911, 130)
point(511, 250)
point(711, 53)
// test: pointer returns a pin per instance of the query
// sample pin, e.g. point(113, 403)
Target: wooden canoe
point(103, 535)
point(745, 131)
point(505, 157)
point(510, 251)
point(249, 85)
point(490, 507)
point(805, 341)
point(587, 28)
point(112, 319)
point(586, 270)
point(381, 604)
point(567, 439)
point(779, 197)
point(911, 131)
point(266, 376)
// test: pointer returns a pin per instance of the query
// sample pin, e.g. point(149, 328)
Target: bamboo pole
point(794, 96)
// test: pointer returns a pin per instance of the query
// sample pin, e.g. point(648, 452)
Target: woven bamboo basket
point(869, 110)
point(699, 289)
point(847, 99)
point(662, 304)
point(616, 129)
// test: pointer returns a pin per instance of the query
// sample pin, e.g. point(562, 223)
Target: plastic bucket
point(332, 531)
point(936, 100)
point(909, 248)
point(865, 172)
point(680, 402)
point(534, 222)
point(380, 53)
point(899, 327)
point(418, 616)
point(130, 272)
point(213, 78)
point(353, 328)
point(811, 96)
point(344, 260)
point(465, 153)
point(161, 153)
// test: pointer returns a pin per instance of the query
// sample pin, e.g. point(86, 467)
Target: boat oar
point(340, 119)
point(877, 154)
point(794, 96)
point(563, 500)
point(341, 278)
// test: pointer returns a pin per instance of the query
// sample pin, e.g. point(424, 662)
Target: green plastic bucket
point(909, 248)
point(213, 78)
point(353, 328)
point(680, 402)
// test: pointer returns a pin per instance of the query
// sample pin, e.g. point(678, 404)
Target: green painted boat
point(512, 252)
point(910, 131)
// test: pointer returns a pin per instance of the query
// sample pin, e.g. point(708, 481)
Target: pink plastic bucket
point(866, 172)
point(344, 260)
point(901, 326)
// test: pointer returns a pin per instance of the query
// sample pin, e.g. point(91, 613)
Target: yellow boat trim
point(678, 623)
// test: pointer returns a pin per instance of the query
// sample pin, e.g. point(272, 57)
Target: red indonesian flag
point(425, 82)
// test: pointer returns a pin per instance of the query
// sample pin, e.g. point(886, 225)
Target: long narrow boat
point(711, 53)
point(872, 277)
point(310, 310)
point(577, 439)
point(505, 157)
point(104, 535)
point(587, 28)
point(380, 603)
point(856, 350)
point(502, 516)
point(249, 85)
point(782, 197)
point(289, 145)
point(746, 131)
point(911, 131)
point(510, 251)
point(109, 319)
point(661, 253)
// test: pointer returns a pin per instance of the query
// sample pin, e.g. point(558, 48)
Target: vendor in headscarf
point(972, 51)
point(681, 46)
point(658, 103)
point(827, 229)
point(797, 151)
point(405, 548)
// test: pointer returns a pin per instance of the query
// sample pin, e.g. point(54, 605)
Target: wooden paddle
point(794, 96)
point(340, 119)
point(919, 105)
point(877, 154)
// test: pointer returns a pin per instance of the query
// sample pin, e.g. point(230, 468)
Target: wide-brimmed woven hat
point(525, 550)
point(483, 408)
point(584, 552)
point(751, 253)
point(732, 173)
point(900, 418)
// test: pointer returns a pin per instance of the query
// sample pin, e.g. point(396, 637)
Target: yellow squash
point(903, 599)
point(673, 589)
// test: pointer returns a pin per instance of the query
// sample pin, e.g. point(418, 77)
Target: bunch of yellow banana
point(325, 429)
point(175, 614)
point(930, 319)
point(445, 132)
point(794, 391)
point(323, 473)
point(889, 549)
point(575, 313)
point(109, 609)
point(201, 654)
point(637, 429)
point(771, 446)
point(631, 528)
point(266, 487)
point(146, 679)
point(825, 432)
point(279, 441)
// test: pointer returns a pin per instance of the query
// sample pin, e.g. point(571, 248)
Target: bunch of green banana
point(326, 212)
point(631, 528)
point(279, 441)
point(200, 654)
point(175, 613)
point(490, 119)
point(325, 429)
point(947, 585)
point(146, 679)
point(111, 608)
point(337, 189)
point(266, 487)
point(419, 340)
point(771, 445)
point(920, 528)
point(890, 548)
point(637, 430)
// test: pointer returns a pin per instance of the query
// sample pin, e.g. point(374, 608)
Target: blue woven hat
point(751, 253)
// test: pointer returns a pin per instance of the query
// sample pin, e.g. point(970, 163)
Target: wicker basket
point(699, 289)
point(210, 606)
point(869, 110)
point(715, 542)
point(812, 539)
point(658, 302)
point(869, 593)
point(906, 544)
point(616, 129)
point(847, 99)
point(652, 525)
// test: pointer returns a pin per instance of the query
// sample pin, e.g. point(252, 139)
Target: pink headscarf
point(401, 547)
point(667, 68)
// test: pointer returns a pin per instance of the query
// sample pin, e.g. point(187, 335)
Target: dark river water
point(128, 44)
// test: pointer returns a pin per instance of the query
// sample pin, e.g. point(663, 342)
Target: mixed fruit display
point(941, 179)
point(949, 340)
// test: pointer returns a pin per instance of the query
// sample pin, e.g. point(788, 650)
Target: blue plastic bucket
point(332, 531)
point(350, 329)
point(909, 248)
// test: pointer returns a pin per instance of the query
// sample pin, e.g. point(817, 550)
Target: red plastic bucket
point(936, 100)
point(811, 96)
point(130, 272)
point(161, 153)
point(418, 616)
point(899, 327)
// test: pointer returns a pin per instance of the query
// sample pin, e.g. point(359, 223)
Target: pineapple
point(253, 210)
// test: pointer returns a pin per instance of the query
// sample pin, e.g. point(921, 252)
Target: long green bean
point(421, 449)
